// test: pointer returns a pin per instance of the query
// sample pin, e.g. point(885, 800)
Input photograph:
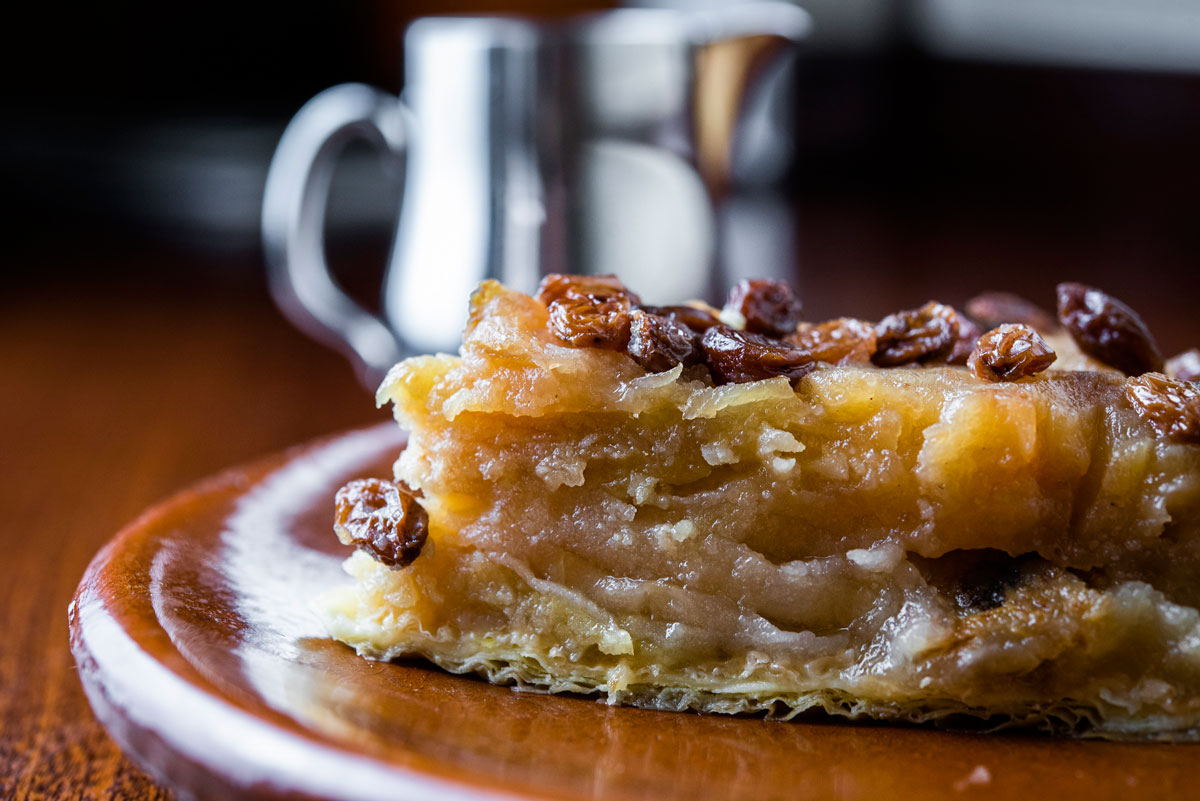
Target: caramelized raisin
point(382, 518)
point(1185, 366)
point(591, 321)
point(769, 307)
point(588, 311)
point(1108, 330)
point(735, 357)
point(1009, 352)
point(658, 342)
point(927, 334)
point(556, 285)
point(994, 309)
point(1170, 405)
point(965, 341)
point(697, 319)
point(841, 341)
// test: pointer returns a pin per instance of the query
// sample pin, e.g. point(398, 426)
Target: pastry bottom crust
point(1114, 649)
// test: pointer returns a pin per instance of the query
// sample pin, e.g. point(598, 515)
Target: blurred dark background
point(980, 143)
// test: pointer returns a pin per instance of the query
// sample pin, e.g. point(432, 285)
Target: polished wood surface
point(125, 378)
point(119, 386)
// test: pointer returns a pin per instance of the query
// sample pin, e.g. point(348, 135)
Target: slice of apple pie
point(738, 511)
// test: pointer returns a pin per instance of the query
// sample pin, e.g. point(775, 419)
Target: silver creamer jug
point(592, 146)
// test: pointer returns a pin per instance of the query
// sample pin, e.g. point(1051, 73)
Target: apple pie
point(940, 516)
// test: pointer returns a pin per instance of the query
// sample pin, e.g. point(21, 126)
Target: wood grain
point(115, 394)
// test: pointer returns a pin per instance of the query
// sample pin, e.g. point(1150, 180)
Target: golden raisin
point(588, 311)
point(556, 285)
point(769, 307)
point(736, 357)
point(928, 334)
point(993, 309)
point(1009, 352)
point(1185, 366)
point(591, 321)
point(845, 340)
point(658, 342)
point(1108, 330)
point(382, 518)
point(1170, 405)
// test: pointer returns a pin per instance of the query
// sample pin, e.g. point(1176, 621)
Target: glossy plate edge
point(178, 728)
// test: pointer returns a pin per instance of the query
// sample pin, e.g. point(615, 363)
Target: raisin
point(964, 342)
point(994, 309)
point(769, 307)
point(658, 342)
point(1108, 330)
point(977, 580)
point(927, 334)
point(735, 357)
point(1170, 405)
point(588, 311)
point(1185, 366)
point(591, 321)
point(382, 518)
point(841, 341)
point(556, 285)
point(699, 320)
point(1009, 352)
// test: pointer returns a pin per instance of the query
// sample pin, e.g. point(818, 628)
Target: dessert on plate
point(942, 515)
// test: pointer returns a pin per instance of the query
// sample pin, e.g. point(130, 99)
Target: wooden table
point(116, 393)
point(125, 378)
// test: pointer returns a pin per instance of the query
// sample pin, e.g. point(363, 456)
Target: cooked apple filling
point(670, 523)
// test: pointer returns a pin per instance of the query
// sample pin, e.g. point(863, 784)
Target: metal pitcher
point(591, 146)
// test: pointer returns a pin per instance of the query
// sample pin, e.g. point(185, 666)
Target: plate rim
point(155, 724)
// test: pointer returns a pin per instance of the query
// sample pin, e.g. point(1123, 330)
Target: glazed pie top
point(736, 510)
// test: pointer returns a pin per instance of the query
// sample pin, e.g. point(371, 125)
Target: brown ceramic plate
point(198, 651)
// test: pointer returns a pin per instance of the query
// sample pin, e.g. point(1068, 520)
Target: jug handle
point(293, 216)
